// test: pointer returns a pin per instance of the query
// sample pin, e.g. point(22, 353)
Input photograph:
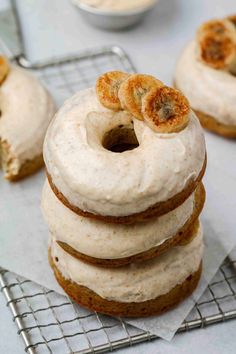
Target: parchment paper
point(24, 235)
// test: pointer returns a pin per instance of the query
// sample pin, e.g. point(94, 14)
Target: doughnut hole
point(121, 138)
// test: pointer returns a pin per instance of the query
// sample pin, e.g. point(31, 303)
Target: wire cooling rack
point(66, 76)
point(52, 323)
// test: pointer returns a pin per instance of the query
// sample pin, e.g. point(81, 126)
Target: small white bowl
point(112, 20)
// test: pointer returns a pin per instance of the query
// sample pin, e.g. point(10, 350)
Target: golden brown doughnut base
point(89, 299)
point(211, 123)
point(7, 159)
point(27, 169)
point(181, 237)
point(158, 209)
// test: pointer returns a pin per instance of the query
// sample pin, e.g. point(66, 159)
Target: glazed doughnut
point(134, 185)
point(115, 244)
point(123, 196)
point(214, 95)
point(142, 289)
point(26, 110)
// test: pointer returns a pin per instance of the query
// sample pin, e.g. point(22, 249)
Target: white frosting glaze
point(135, 282)
point(26, 110)
point(118, 5)
point(102, 240)
point(118, 184)
point(209, 90)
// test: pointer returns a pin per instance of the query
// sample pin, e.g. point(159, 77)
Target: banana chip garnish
point(133, 90)
point(107, 88)
point(217, 44)
point(4, 68)
point(165, 110)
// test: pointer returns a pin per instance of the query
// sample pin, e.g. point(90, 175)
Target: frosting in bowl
point(118, 5)
point(135, 282)
point(110, 241)
point(209, 90)
point(26, 111)
point(118, 184)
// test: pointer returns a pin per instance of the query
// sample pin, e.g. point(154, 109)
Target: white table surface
point(55, 29)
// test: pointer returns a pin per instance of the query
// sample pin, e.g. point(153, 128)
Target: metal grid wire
point(52, 323)
point(66, 76)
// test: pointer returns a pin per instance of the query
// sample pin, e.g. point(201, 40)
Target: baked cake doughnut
point(115, 245)
point(209, 65)
point(26, 110)
point(141, 289)
point(153, 178)
point(123, 196)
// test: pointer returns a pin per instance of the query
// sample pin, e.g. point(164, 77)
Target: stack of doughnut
point(123, 196)
point(208, 64)
point(26, 109)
